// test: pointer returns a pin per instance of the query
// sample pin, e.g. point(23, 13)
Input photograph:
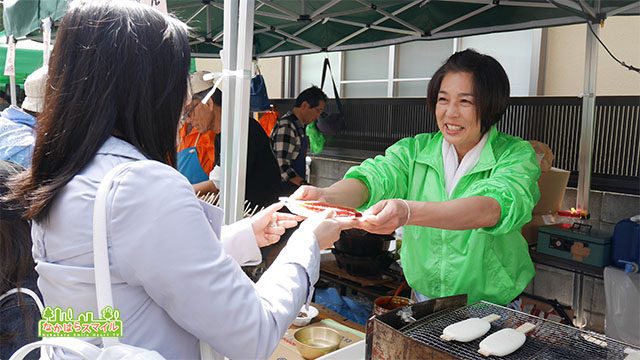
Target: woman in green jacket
point(462, 194)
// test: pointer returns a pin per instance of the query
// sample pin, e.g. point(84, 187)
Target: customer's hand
point(307, 192)
point(326, 227)
point(269, 225)
point(385, 217)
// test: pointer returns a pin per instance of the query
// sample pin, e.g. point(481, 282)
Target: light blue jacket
point(17, 136)
point(172, 279)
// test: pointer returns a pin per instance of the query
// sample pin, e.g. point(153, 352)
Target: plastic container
point(622, 294)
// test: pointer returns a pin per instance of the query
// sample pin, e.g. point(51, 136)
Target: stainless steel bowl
point(315, 341)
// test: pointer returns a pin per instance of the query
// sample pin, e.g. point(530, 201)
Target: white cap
point(198, 84)
point(34, 88)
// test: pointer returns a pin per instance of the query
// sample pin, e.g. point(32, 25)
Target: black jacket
point(263, 186)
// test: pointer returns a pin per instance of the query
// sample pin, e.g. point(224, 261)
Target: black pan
point(358, 242)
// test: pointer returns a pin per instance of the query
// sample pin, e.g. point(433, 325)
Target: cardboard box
point(530, 230)
point(552, 184)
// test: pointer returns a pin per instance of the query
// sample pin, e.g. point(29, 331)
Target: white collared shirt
point(454, 171)
point(172, 280)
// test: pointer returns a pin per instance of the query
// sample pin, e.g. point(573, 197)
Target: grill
point(548, 340)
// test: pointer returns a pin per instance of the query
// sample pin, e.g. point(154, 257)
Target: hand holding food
point(308, 208)
point(386, 216)
point(327, 227)
point(269, 225)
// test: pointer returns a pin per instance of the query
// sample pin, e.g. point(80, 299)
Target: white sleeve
point(239, 241)
point(214, 175)
point(162, 242)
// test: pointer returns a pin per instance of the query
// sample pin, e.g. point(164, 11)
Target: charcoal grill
point(549, 340)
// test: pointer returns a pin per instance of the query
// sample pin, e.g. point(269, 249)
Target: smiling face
point(456, 112)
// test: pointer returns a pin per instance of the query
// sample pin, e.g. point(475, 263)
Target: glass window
point(368, 64)
point(517, 52)
point(420, 59)
point(411, 88)
point(365, 90)
point(365, 73)
point(311, 71)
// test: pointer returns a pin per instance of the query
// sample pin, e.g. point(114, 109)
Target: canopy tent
point(22, 17)
point(27, 61)
point(294, 27)
point(286, 27)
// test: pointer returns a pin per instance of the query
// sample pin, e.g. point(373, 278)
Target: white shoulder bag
point(112, 348)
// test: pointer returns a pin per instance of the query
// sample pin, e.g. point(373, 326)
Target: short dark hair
point(312, 96)
point(119, 68)
point(490, 84)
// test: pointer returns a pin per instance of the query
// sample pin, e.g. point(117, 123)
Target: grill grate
point(548, 340)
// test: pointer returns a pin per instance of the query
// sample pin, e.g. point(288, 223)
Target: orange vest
point(205, 146)
point(268, 121)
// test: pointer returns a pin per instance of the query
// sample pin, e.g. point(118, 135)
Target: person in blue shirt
point(17, 135)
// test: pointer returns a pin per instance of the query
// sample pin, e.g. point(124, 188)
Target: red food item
point(319, 206)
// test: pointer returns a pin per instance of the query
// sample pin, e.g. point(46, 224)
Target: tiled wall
point(606, 210)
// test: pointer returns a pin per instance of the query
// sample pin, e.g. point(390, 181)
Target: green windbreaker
point(491, 264)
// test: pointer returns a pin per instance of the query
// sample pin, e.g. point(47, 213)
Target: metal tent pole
point(241, 105)
point(586, 151)
point(229, 53)
point(10, 68)
point(588, 120)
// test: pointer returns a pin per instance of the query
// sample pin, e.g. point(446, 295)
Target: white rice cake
point(505, 341)
point(469, 329)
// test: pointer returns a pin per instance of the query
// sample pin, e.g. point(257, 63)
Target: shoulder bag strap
point(76, 346)
point(335, 88)
point(101, 256)
point(25, 291)
point(100, 248)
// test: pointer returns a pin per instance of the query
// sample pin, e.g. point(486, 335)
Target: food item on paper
point(308, 208)
point(469, 329)
point(505, 341)
point(305, 316)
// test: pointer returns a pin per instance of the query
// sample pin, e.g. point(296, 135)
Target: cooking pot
point(362, 265)
point(358, 242)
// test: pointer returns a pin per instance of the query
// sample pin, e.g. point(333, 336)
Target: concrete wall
point(271, 70)
point(551, 283)
point(565, 55)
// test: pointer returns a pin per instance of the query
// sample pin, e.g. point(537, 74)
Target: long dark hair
point(490, 84)
point(16, 263)
point(118, 68)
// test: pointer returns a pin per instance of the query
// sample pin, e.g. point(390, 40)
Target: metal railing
point(375, 124)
